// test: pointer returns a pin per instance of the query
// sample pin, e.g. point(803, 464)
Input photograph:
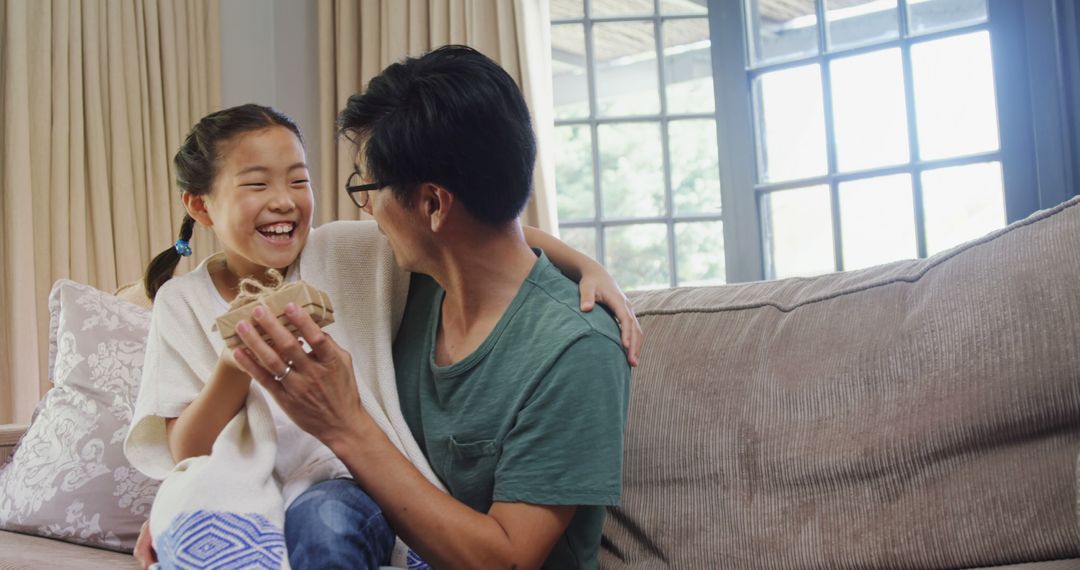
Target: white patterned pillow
point(68, 478)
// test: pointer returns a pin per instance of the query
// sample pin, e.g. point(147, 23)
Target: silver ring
point(288, 369)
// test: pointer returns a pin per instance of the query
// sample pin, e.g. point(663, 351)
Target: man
point(516, 397)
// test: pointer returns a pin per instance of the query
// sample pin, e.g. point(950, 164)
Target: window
point(849, 133)
point(877, 130)
point(637, 169)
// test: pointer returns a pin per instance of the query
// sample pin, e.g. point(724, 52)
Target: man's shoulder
point(553, 307)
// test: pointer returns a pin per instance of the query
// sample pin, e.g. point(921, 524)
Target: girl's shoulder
point(184, 292)
point(346, 255)
point(343, 241)
point(333, 233)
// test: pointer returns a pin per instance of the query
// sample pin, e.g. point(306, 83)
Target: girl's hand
point(144, 547)
point(226, 358)
point(598, 286)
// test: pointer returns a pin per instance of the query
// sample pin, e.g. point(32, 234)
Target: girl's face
point(260, 206)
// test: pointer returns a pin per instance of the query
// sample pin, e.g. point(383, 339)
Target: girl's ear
point(196, 208)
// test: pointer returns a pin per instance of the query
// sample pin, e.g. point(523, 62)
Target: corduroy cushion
point(922, 414)
point(24, 552)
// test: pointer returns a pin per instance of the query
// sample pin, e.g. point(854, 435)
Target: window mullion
point(736, 142)
point(830, 133)
point(590, 76)
point(658, 36)
point(912, 127)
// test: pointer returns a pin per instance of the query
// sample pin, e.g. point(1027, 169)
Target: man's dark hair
point(452, 117)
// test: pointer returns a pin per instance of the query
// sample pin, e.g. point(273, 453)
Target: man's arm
point(444, 531)
point(320, 395)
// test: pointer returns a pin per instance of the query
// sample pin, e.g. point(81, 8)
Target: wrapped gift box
point(311, 300)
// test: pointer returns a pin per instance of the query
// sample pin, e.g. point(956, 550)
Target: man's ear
point(196, 208)
point(436, 202)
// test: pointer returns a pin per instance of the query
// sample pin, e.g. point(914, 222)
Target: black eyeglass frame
point(353, 190)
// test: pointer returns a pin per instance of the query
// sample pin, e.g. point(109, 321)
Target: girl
point(242, 172)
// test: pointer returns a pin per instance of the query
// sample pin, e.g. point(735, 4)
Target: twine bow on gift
point(251, 290)
point(273, 295)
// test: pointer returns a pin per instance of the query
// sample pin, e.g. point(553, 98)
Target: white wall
point(269, 55)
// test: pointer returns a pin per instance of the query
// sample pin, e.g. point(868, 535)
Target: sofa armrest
point(9, 436)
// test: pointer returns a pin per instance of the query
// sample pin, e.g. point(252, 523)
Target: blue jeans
point(335, 524)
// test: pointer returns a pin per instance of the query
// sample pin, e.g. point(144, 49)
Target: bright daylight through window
point(636, 152)
point(874, 127)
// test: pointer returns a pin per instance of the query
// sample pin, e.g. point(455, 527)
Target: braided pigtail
point(161, 268)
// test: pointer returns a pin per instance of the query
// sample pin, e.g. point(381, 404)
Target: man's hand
point(319, 390)
point(144, 547)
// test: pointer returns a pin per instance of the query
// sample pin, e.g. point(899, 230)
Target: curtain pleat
point(359, 38)
point(1068, 19)
point(96, 97)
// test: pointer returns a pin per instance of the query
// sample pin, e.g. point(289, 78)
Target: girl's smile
point(278, 233)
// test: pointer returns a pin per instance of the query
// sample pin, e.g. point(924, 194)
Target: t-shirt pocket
point(471, 471)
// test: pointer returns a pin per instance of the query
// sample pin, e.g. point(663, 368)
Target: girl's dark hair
point(197, 166)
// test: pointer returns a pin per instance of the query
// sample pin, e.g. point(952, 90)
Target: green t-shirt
point(534, 415)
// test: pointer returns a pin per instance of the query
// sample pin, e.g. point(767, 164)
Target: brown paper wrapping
point(311, 300)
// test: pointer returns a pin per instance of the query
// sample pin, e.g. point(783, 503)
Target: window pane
point(581, 239)
point(791, 124)
point(695, 166)
point(962, 203)
point(638, 255)
point(574, 173)
point(567, 9)
point(603, 8)
point(931, 15)
point(626, 72)
point(631, 169)
point(568, 69)
point(858, 22)
point(781, 30)
point(668, 7)
point(869, 110)
point(955, 106)
point(798, 232)
point(877, 221)
point(688, 66)
point(699, 252)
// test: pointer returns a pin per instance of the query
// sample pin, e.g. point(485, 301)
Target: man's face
point(398, 222)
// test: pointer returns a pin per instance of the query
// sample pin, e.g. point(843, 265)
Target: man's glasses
point(359, 193)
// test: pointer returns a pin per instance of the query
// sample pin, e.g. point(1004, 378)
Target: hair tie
point(183, 247)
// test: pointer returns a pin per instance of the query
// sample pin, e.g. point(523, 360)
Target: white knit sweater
point(248, 474)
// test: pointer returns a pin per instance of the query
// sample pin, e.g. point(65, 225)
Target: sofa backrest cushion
point(922, 414)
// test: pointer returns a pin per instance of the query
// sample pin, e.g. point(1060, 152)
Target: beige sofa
point(923, 414)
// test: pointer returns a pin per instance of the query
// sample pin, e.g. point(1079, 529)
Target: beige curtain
point(358, 38)
point(96, 97)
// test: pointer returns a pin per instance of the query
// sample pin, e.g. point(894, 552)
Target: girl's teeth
point(278, 232)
